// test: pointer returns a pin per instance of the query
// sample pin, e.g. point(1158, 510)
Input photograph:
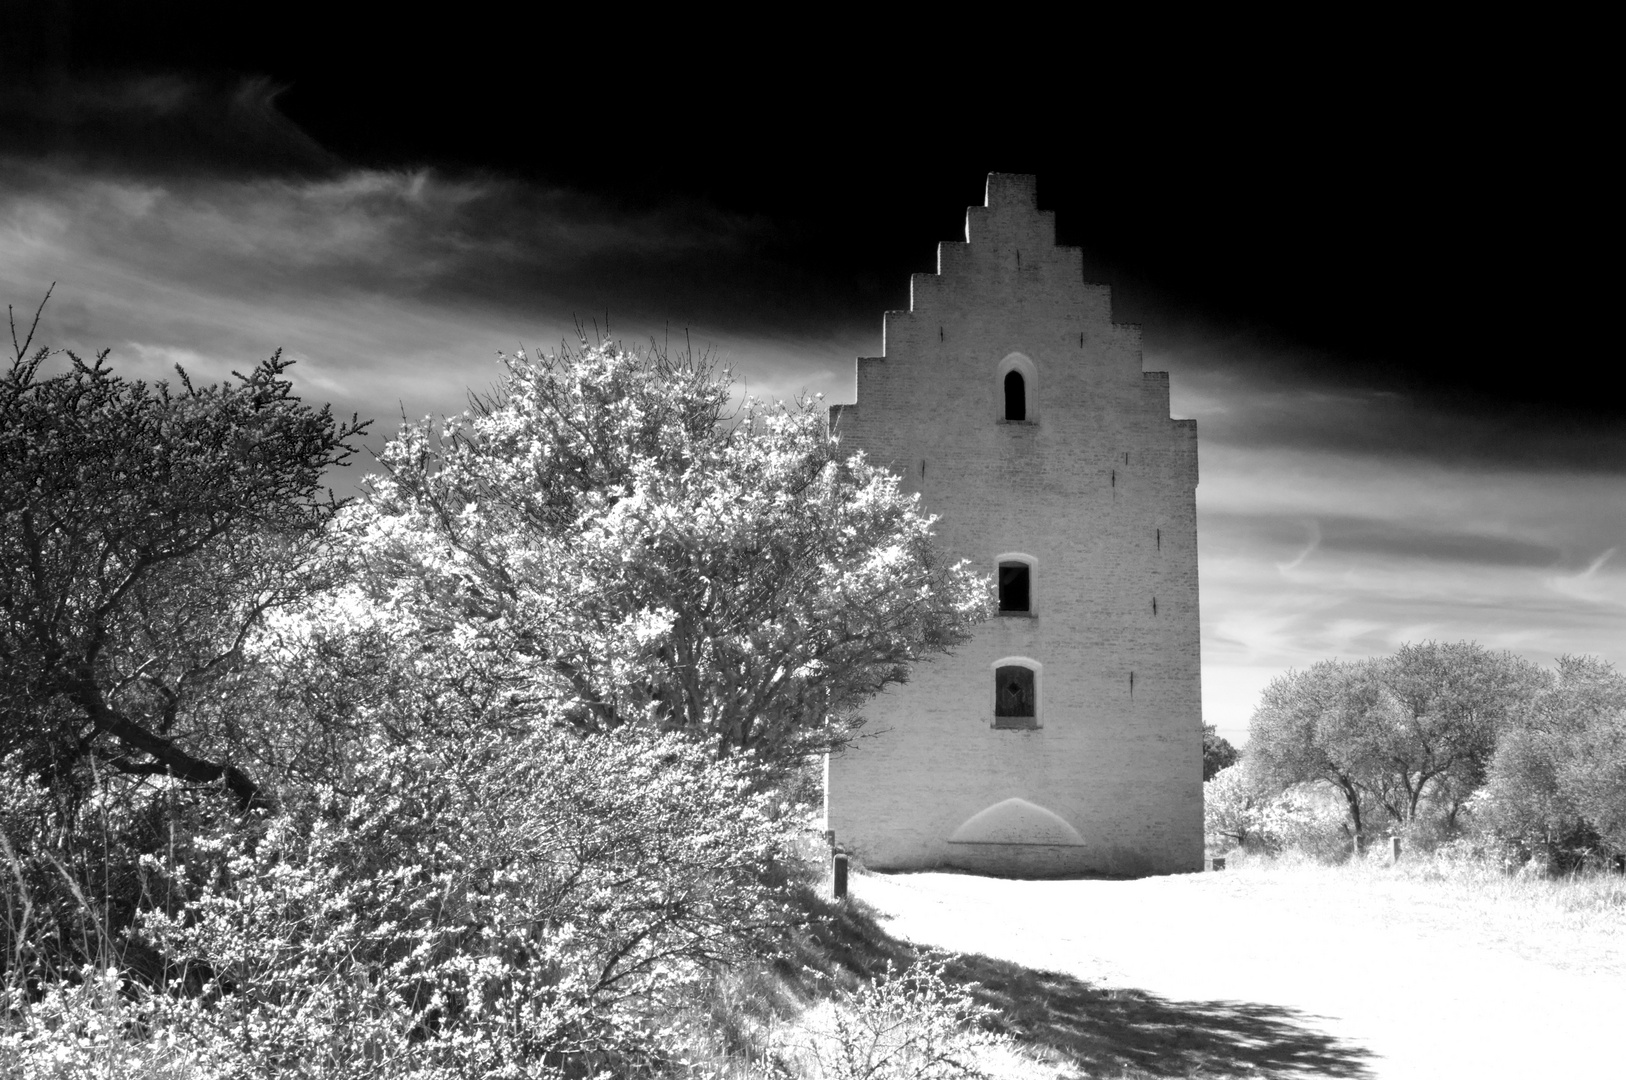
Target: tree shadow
point(1096, 1029)
point(1112, 1029)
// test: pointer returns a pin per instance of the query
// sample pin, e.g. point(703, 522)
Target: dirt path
point(1268, 975)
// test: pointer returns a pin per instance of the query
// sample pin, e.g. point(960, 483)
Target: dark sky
point(1372, 268)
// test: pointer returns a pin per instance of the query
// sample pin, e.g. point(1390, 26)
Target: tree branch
point(175, 760)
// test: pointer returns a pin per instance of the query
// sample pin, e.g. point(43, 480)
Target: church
point(1066, 736)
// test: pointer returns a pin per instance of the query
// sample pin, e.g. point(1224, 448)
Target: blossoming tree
point(638, 553)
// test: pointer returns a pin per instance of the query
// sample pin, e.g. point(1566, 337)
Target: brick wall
point(1099, 488)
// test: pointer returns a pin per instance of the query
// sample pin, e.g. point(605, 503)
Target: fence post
point(1394, 848)
point(840, 889)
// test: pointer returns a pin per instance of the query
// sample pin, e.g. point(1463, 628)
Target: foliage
point(470, 911)
point(1218, 753)
point(1447, 704)
point(74, 869)
point(1397, 735)
point(1243, 810)
point(1558, 782)
point(143, 533)
point(902, 1026)
point(1313, 726)
point(1307, 819)
point(625, 555)
point(497, 744)
point(1234, 801)
point(89, 1026)
point(539, 902)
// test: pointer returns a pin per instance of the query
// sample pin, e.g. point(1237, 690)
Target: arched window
point(1016, 396)
point(1016, 390)
point(1016, 693)
point(1015, 588)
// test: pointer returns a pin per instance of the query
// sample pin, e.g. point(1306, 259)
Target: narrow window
point(1013, 693)
point(1016, 397)
point(1013, 587)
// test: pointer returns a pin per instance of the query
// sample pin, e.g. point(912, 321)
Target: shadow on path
point(1100, 1030)
point(1108, 1029)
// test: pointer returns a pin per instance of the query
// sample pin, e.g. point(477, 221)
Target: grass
point(1571, 922)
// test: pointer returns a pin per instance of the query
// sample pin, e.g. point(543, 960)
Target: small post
point(1394, 848)
point(840, 889)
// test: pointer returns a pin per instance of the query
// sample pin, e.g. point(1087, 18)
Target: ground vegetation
point(491, 772)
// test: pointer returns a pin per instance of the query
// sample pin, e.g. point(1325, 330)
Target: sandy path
point(1271, 977)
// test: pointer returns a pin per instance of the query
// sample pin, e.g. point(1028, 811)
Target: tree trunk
point(1353, 798)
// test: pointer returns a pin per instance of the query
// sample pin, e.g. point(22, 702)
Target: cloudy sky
point(1369, 285)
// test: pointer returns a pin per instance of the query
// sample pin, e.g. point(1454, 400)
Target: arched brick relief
point(1028, 375)
point(1016, 821)
point(1018, 595)
point(1018, 693)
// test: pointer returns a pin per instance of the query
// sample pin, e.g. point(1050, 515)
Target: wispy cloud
point(1261, 394)
point(393, 291)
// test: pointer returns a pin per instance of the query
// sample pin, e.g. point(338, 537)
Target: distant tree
point(1589, 703)
point(144, 532)
point(1318, 725)
point(641, 557)
point(1447, 704)
point(1558, 780)
point(1395, 735)
point(1218, 753)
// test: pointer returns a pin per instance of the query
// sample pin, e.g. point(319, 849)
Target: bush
point(1241, 811)
point(1309, 820)
point(1233, 808)
point(535, 908)
point(75, 869)
point(908, 1026)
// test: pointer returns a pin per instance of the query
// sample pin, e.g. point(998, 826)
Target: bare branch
point(22, 350)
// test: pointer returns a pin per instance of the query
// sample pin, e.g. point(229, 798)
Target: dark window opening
point(1013, 587)
point(1013, 693)
point(1016, 397)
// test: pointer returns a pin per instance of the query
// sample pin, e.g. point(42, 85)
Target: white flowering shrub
point(640, 558)
point(1307, 819)
point(88, 1026)
point(1240, 810)
point(909, 1025)
point(1233, 808)
point(508, 909)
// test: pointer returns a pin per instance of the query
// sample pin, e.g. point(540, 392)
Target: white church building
point(1066, 736)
